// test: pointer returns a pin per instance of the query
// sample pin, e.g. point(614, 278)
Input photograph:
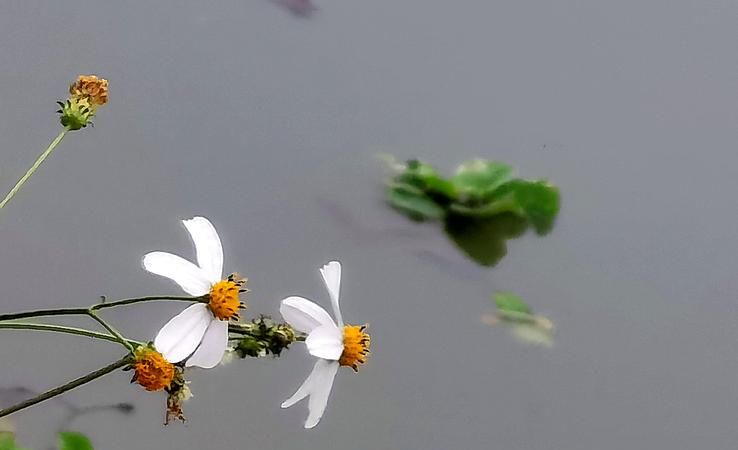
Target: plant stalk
point(65, 330)
point(95, 307)
point(34, 167)
point(118, 337)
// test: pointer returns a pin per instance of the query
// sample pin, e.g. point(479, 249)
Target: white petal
point(331, 273)
point(306, 388)
point(304, 315)
point(183, 333)
point(208, 247)
point(321, 390)
point(326, 342)
point(190, 277)
point(213, 346)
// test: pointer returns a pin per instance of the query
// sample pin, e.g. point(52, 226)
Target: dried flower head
point(151, 370)
point(90, 88)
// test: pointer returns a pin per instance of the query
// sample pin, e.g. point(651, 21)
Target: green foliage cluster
point(480, 189)
point(67, 440)
point(481, 206)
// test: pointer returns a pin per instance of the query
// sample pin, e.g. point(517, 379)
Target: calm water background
point(268, 124)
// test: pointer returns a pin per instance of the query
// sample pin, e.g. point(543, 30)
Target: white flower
point(200, 332)
point(334, 344)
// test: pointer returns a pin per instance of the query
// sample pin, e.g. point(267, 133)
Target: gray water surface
point(268, 123)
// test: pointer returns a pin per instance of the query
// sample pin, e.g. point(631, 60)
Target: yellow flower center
point(90, 88)
point(224, 298)
point(355, 346)
point(151, 370)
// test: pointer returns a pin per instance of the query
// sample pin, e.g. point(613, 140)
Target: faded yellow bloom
point(90, 88)
point(151, 370)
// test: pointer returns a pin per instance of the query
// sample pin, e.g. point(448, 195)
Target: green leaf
point(538, 201)
point(424, 177)
point(413, 203)
point(478, 178)
point(507, 302)
point(69, 440)
point(503, 205)
point(484, 240)
point(7, 441)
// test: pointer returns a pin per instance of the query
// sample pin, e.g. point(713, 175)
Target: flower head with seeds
point(334, 344)
point(198, 334)
point(90, 88)
point(151, 370)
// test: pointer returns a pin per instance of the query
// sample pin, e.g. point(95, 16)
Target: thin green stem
point(44, 312)
point(63, 329)
point(66, 387)
point(151, 298)
point(119, 337)
point(34, 167)
point(95, 307)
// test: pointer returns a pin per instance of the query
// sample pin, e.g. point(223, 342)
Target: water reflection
point(13, 394)
point(484, 241)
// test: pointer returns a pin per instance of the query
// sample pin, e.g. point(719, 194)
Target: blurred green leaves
point(482, 205)
point(70, 440)
point(479, 189)
point(510, 303)
point(67, 440)
point(523, 323)
point(7, 441)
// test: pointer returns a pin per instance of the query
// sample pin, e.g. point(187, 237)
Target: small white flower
point(334, 344)
point(200, 332)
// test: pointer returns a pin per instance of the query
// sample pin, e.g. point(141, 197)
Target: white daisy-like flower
point(200, 332)
point(334, 344)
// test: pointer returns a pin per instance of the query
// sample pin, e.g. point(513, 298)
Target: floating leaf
point(523, 324)
point(475, 204)
point(424, 177)
point(508, 302)
point(538, 201)
point(413, 203)
point(507, 204)
point(69, 440)
point(478, 178)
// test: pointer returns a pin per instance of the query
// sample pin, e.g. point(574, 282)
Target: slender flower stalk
point(91, 312)
point(67, 386)
point(49, 150)
point(118, 337)
point(64, 330)
point(95, 307)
